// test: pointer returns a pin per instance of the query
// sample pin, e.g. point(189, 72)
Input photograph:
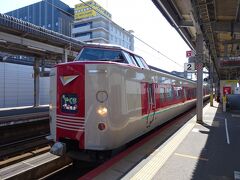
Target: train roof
point(117, 47)
point(169, 73)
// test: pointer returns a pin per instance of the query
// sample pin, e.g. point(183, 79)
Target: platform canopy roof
point(217, 20)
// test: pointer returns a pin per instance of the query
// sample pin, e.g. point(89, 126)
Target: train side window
point(151, 94)
point(162, 97)
point(169, 93)
point(178, 92)
point(166, 81)
point(139, 62)
point(129, 58)
point(194, 92)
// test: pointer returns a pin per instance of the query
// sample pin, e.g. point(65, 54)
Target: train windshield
point(95, 54)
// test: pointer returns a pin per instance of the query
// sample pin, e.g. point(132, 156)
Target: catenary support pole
point(211, 82)
point(199, 66)
point(36, 82)
point(65, 56)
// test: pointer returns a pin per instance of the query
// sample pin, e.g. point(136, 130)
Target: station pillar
point(211, 83)
point(199, 67)
point(36, 82)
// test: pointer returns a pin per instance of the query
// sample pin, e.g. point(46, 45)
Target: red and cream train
point(109, 96)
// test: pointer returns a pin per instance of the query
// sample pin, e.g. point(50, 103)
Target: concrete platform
point(25, 114)
point(13, 111)
point(196, 151)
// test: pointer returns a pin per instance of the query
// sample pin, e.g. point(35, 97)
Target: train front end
point(68, 111)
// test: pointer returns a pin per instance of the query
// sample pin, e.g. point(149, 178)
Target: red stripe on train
point(76, 87)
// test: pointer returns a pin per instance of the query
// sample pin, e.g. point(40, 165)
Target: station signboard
point(189, 67)
point(190, 53)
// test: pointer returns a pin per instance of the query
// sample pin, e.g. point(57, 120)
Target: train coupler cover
point(58, 149)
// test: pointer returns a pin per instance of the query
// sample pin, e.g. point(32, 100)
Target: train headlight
point(102, 111)
point(101, 96)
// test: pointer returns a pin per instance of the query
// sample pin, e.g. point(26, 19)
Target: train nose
point(70, 118)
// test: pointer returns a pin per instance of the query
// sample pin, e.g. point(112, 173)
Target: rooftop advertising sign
point(89, 9)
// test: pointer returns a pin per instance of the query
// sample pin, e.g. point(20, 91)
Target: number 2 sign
point(189, 67)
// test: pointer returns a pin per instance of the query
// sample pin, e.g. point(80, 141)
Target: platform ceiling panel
point(218, 20)
point(226, 10)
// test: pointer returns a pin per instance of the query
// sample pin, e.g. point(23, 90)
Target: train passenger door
point(151, 103)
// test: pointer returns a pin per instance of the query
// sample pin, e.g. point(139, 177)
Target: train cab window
point(144, 63)
point(96, 54)
point(139, 62)
point(129, 58)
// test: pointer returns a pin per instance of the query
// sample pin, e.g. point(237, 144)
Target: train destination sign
point(69, 103)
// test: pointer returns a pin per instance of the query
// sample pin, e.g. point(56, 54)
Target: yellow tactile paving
point(161, 155)
point(152, 167)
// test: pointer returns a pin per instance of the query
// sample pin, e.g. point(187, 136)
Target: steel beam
point(186, 24)
point(32, 45)
point(222, 26)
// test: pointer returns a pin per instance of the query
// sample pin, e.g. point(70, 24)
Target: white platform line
point(24, 162)
point(236, 115)
point(226, 128)
point(236, 175)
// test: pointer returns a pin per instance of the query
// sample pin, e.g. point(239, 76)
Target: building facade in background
point(16, 71)
point(50, 14)
point(95, 27)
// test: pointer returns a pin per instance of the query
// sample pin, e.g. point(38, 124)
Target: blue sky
point(145, 20)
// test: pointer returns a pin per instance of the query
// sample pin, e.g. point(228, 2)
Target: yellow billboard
point(89, 9)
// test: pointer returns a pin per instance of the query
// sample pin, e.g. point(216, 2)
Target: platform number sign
point(189, 67)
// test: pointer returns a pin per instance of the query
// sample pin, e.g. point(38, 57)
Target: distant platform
point(13, 111)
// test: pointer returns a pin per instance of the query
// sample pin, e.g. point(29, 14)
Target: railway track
point(19, 127)
point(21, 134)
point(48, 166)
point(21, 146)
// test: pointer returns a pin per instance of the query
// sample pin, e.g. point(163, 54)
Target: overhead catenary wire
point(132, 34)
point(139, 39)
